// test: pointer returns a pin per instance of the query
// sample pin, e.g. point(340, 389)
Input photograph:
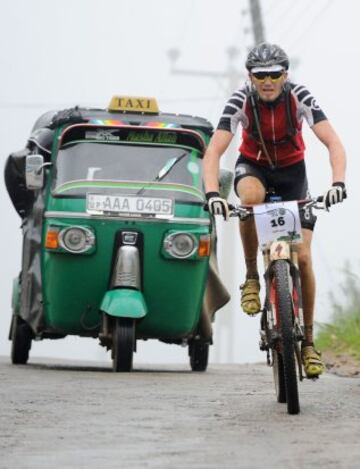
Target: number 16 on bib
point(279, 221)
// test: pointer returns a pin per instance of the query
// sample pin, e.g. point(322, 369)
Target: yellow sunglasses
point(274, 76)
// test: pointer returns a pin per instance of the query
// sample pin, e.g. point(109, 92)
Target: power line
point(192, 99)
point(188, 16)
point(230, 77)
point(270, 8)
point(282, 15)
point(35, 105)
point(291, 20)
point(53, 106)
point(304, 31)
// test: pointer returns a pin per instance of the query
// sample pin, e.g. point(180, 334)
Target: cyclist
point(270, 109)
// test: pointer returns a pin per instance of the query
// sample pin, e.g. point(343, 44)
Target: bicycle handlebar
point(243, 211)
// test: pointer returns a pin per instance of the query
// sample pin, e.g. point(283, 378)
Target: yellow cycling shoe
point(250, 299)
point(311, 358)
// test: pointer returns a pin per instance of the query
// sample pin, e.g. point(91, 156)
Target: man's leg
point(312, 361)
point(251, 191)
point(307, 283)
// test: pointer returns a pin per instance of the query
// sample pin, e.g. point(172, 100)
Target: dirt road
point(75, 415)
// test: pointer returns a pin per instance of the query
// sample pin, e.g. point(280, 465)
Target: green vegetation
point(342, 335)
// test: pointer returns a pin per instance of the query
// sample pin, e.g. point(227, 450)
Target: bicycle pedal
point(269, 361)
point(263, 346)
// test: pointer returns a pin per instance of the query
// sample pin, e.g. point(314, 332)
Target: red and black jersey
point(283, 148)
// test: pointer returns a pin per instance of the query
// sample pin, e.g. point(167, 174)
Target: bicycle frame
point(282, 250)
point(271, 330)
point(282, 320)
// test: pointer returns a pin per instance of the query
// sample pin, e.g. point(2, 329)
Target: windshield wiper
point(165, 170)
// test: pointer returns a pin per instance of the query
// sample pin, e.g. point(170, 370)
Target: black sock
point(306, 343)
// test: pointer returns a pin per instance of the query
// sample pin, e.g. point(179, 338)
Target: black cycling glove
point(335, 195)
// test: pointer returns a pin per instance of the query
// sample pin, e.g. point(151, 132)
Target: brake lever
point(239, 212)
point(317, 203)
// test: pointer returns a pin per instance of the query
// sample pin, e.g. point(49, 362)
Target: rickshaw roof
point(129, 118)
point(122, 111)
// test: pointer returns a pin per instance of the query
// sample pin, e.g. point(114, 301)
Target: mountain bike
point(282, 323)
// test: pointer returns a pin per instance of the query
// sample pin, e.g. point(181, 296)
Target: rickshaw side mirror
point(225, 182)
point(34, 172)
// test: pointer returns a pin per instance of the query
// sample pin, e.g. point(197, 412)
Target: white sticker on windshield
point(193, 167)
point(102, 134)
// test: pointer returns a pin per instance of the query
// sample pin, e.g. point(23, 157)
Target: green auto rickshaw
point(116, 242)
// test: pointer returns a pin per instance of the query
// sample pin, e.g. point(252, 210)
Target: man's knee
point(251, 191)
point(304, 259)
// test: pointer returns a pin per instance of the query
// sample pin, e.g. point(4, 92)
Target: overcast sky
point(58, 54)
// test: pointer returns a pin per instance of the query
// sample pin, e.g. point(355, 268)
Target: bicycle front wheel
point(279, 378)
point(286, 329)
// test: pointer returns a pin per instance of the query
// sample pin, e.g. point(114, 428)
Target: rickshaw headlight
point(180, 245)
point(76, 239)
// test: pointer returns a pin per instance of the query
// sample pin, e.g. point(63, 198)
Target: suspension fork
point(290, 255)
point(268, 331)
point(280, 250)
point(298, 309)
point(297, 295)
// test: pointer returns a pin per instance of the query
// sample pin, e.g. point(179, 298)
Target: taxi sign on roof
point(134, 104)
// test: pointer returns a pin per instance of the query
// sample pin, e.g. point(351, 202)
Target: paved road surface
point(76, 415)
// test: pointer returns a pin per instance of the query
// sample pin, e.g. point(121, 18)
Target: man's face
point(268, 85)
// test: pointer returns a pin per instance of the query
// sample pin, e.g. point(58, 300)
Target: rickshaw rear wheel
point(21, 337)
point(199, 354)
point(123, 344)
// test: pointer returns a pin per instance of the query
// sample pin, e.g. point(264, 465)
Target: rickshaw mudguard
point(124, 303)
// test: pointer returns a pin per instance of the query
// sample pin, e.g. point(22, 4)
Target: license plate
point(132, 205)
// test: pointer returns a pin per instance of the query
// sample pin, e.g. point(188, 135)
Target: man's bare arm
point(211, 162)
point(327, 135)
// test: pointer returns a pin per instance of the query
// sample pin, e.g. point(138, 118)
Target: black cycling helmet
point(266, 55)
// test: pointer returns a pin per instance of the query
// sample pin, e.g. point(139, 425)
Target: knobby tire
point(287, 349)
point(279, 377)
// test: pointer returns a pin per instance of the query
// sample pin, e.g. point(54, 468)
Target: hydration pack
point(256, 132)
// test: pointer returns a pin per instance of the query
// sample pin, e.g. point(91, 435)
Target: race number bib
point(279, 221)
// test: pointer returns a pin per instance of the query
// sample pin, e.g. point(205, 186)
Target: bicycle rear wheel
point(287, 349)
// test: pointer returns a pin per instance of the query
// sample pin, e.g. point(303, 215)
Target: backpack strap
point(256, 127)
point(256, 130)
point(291, 128)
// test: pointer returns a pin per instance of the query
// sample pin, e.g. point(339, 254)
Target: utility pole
point(225, 321)
point(256, 20)
point(225, 327)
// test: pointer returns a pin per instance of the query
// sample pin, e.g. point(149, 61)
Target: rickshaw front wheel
point(199, 354)
point(21, 337)
point(123, 344)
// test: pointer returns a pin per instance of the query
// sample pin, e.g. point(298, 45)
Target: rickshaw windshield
point(107, 167)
